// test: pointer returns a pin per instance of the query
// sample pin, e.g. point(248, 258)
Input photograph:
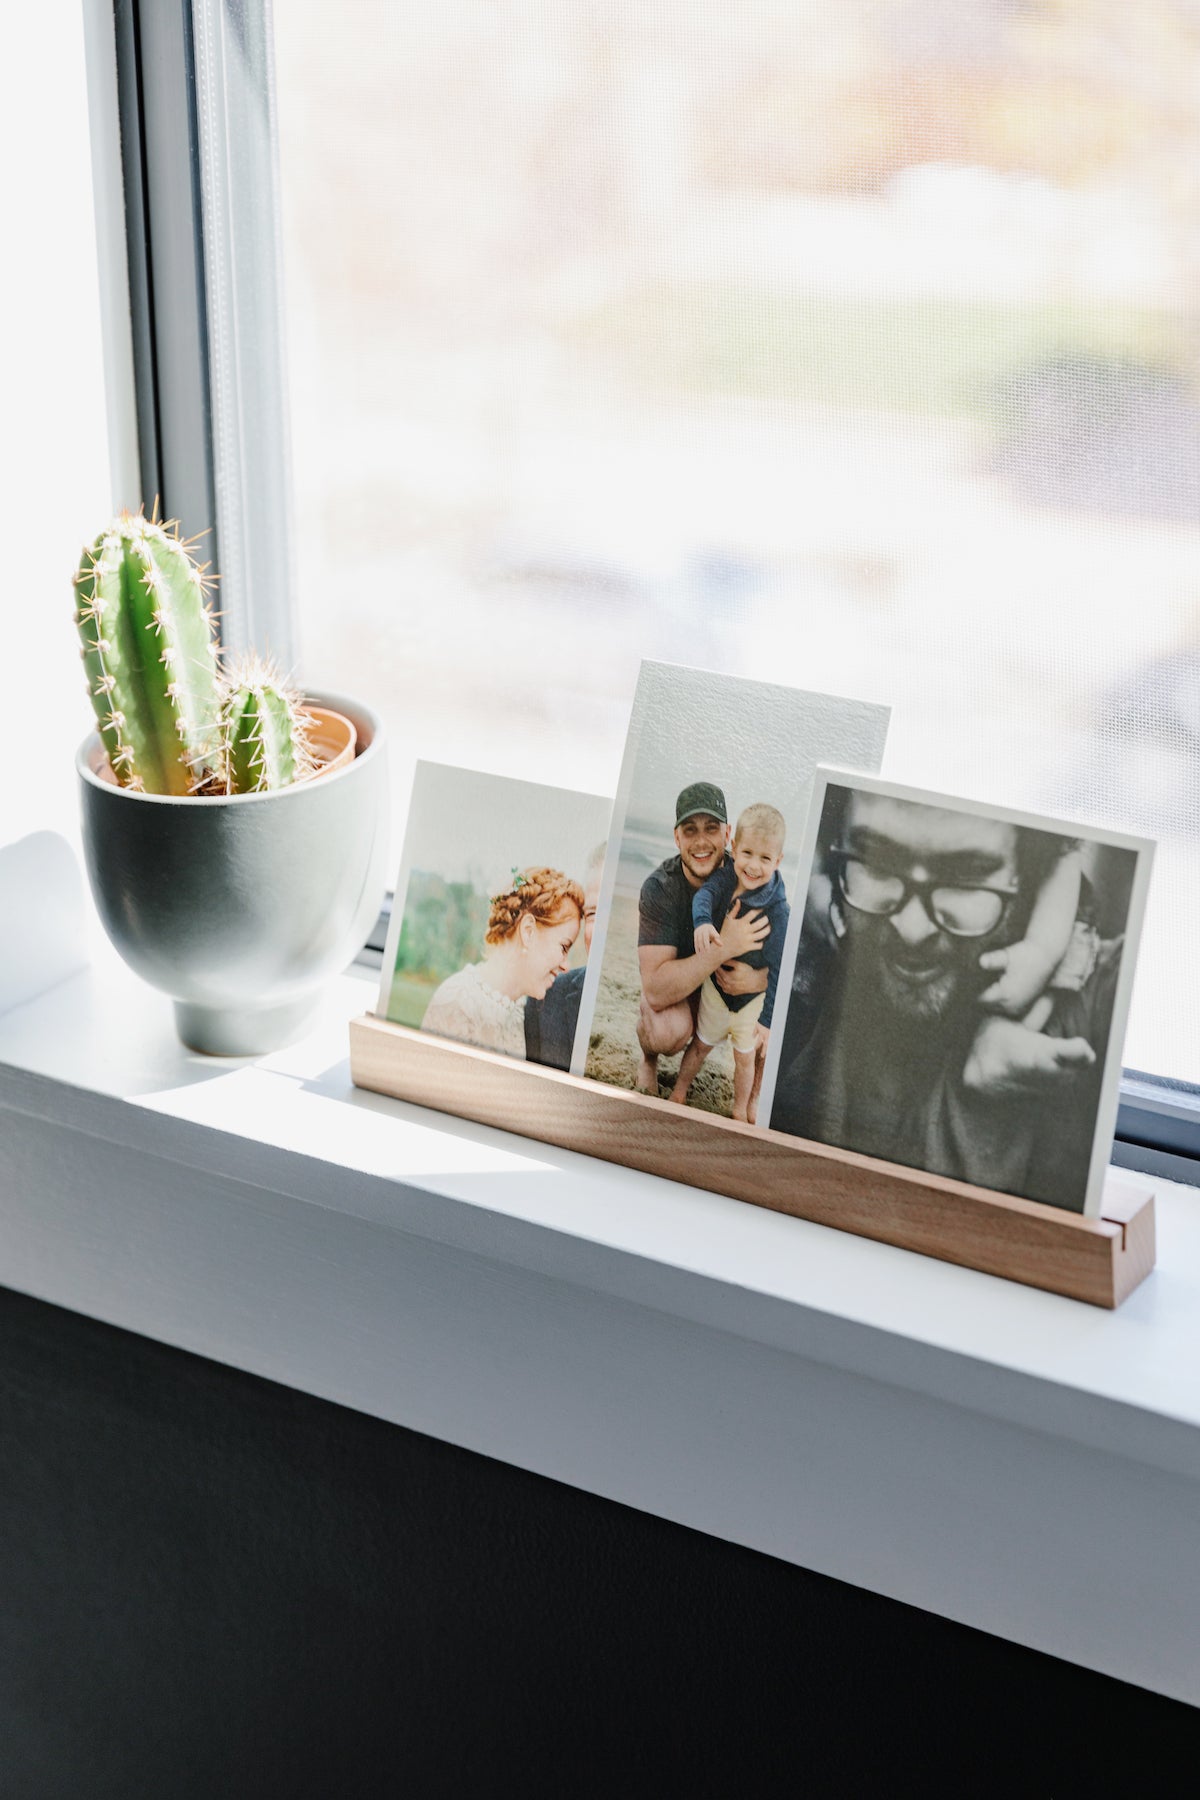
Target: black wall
point(212, 1586)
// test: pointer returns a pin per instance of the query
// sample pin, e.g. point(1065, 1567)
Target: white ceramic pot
point(241, 906)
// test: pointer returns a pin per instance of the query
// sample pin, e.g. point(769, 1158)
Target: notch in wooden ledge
point(1097, 1260)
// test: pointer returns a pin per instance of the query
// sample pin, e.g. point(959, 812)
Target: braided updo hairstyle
point(544, 893)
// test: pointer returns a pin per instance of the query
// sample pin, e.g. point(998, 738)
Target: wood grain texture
point(1097, 1260)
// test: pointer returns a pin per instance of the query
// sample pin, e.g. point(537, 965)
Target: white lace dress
point(466, 1008)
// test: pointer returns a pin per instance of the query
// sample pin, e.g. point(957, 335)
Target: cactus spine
point(264, 730)
point(149, 651)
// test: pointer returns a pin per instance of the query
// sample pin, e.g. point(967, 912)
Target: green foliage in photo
point(442, 931)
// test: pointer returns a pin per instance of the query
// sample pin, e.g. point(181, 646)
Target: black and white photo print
point(957, 989)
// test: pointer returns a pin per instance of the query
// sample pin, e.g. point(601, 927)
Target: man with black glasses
point(889, 1048)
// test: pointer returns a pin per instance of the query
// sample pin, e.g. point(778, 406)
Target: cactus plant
point(149, 650)
point(264, 730)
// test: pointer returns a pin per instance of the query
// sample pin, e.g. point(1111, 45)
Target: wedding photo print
point(959, 984)
point(685, 969)
point(494, 911)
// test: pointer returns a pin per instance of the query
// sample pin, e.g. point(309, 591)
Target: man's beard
point(921, 986)
point(709, 868)
point(923, 1000)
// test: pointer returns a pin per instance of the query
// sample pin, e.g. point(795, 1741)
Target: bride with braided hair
point(531, 929)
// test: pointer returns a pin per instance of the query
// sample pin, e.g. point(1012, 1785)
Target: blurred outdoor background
point(851, 345)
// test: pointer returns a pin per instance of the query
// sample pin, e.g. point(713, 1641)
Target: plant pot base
point(242, 1030)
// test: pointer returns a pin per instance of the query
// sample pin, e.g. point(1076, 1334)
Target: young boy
point(751, 875)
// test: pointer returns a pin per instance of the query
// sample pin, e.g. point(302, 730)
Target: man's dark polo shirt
point(665, 909)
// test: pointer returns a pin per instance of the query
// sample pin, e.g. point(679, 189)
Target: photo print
point(960, 982)
point(494, 912)
point(686, 965)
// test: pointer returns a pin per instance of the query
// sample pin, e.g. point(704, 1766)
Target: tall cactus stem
point(150, 655)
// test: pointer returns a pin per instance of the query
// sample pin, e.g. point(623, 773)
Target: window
point(847, 345)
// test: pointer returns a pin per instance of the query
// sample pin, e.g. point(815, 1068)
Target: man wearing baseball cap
point(671, 970)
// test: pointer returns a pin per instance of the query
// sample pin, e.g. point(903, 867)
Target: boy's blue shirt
point(709, 907)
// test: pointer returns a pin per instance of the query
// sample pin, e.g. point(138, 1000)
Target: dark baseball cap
point(701, 797)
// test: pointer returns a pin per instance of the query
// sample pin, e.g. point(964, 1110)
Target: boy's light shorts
point(716, 1021)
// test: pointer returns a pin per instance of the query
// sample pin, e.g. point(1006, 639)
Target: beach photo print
point(959, 987)
point(686, 962)
point(494, 912)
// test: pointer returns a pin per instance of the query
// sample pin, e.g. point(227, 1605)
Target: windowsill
point(1021, 1462)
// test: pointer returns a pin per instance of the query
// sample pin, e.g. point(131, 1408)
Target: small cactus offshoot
point(149, 650)
point(264, 730)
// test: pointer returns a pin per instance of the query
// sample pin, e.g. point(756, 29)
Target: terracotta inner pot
point(334, 740)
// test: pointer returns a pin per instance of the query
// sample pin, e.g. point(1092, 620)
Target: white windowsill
point(1023, 1463)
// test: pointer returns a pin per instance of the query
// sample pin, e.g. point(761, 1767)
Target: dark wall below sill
point(215, 1586)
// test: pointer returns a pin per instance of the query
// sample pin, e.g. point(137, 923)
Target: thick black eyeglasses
point(962, 911)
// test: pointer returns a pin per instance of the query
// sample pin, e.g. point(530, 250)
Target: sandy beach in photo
point(613, 1047)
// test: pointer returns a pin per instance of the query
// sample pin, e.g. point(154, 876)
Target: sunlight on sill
point(313, 1108)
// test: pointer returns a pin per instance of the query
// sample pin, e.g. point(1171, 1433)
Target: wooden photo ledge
point(1097, 1260)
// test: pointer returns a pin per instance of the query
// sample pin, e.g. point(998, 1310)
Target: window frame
point(195, 85)
point(199, 146)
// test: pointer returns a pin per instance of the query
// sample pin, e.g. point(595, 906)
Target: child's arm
point(773, 951)
point(1016, 1057)
point(704, 902)
point(1025, 968)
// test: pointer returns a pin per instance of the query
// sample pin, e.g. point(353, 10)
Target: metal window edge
point(196, 105)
